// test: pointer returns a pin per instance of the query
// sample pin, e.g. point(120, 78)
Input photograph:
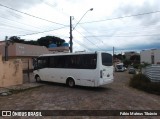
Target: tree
point(127, 62)
point(119, 56)
point(16, 39)
point(31, 42)
point(45, 41)
point(135, 59)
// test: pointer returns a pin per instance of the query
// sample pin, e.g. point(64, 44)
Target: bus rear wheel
point(70, 82)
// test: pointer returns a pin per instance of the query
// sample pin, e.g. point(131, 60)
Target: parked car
point(131, 70)
point(119, 67)
point(125, 69)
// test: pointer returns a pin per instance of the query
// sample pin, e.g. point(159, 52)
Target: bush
point(141, 82)
point(136, 66)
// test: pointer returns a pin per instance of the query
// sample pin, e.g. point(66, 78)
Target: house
point(151, 56)
point(59, 49)
point(63, 48)
point(25, 52)
point(129, 54)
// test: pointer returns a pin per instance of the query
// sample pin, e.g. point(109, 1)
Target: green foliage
point(141, 82)
point(45, 41)
point(126, 62)
point(137, 66)
point(16, 39)
point(119, 56)
point(144, 65)
point(31, 42)
point(135, 58)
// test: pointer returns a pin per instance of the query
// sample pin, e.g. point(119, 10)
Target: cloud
point(145, 7)
point(18, 5)
point(60, 11)
point(21, 4)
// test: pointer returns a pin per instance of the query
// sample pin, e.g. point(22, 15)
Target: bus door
point(42, 68)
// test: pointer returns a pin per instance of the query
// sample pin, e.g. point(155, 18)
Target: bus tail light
point(101, 74)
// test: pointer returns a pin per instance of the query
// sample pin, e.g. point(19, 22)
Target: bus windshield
point(106, 59)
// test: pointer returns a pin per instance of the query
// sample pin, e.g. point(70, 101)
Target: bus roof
point(58, 54)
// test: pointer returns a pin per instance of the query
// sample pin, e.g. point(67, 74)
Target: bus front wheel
point(70, 82)
point(38, 79)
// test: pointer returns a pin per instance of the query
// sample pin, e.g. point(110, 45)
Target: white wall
point(146, 56)
point(157, 56)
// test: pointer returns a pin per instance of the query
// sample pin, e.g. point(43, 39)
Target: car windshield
point(119, 66)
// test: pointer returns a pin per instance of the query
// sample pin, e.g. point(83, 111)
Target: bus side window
point(60, 62)
point(66, 61)
point(94, 61)
point(42, 62)
point(51, 62)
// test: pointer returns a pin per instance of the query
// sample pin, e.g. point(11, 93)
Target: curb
point(8, 90)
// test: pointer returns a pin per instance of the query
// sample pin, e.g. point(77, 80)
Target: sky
point(126, 25)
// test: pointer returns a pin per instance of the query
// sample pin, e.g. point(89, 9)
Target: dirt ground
point(115, 96)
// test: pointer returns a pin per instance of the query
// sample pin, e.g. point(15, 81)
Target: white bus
point(84, 69)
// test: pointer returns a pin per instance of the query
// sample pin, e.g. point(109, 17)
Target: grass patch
point(141, 82)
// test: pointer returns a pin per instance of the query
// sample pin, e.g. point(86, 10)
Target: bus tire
point(38, 79)
point(70, 82)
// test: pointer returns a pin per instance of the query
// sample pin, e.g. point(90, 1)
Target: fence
point(152, 72)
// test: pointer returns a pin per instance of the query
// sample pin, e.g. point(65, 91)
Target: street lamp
point(71, 43)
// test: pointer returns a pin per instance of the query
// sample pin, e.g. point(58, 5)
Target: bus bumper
point(104, 81)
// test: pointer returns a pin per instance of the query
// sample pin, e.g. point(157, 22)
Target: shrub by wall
point(141, 82)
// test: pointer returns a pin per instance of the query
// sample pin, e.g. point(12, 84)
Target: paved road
point(51, 96)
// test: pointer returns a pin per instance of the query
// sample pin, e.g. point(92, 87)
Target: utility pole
point(6, 49)
point(113, 54)
point(71, 42)
point(71, 29)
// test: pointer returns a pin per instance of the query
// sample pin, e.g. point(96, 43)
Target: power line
point(84, 36)
point(91, 34)
point(88, 40)
point(42, 31)
point(122, 17)
point(125, 36)
point(53, 6)
point(150, 30)
point(19, 22)
point(82, 45)
point(31, 15)
point(49, 4)
point(10, 26)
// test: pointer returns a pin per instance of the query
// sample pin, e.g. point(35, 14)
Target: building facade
point(24, 52)
point(10, 73)
point(59, 49)
point(129, 54)
point(27, 52)
point(150, 56)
